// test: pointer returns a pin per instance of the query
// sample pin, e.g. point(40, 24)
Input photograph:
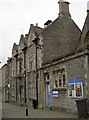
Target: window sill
point(75, 97)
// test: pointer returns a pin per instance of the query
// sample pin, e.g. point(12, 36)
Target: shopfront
point(75, 88)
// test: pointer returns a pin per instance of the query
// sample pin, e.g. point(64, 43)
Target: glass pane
point(78, 89)
point(55, 80)
point(60, 84)
point(47, 77)
point(64, 83)
point(59, 79)
point(71, 90)
point(55, 83)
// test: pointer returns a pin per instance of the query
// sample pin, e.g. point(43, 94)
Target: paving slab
point(16, 111)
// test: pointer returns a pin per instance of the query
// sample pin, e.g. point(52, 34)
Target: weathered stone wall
point(75, 69)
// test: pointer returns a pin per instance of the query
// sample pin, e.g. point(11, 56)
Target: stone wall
point(75, 69)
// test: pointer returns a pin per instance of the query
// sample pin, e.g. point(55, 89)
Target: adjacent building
point(5, 91)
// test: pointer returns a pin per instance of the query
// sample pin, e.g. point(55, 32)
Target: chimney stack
point(63, 7)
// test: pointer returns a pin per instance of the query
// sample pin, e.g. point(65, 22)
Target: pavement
point(16, 111)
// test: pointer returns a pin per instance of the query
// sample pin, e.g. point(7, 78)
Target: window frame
point(31, 61)
point(56, 78)
point(74, 83)
point(20, 66)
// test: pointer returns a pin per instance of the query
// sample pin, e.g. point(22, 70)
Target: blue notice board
point(55, 93)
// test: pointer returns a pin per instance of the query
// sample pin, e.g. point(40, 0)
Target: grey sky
point(17, 15)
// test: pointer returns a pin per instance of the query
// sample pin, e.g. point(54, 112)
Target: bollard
point(26, 110)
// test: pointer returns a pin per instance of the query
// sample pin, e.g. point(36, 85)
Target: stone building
point(18, 69)
point(5, 92)
point(64, 71)
point(14, 72)
point(33, 64)
point(50, 66)
point(9, 68)
point(24, 68)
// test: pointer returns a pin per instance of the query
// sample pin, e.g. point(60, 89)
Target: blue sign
point(55, 93)
point(75, 81)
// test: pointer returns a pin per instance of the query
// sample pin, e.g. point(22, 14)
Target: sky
point(17, 15)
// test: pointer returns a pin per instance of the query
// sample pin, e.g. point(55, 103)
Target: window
point(31, 62)
point(20, 67)
point(63, 77)
point(55, 80)
point(59, 78)
point(32, 90)
point(75, 88)
point(47, 77)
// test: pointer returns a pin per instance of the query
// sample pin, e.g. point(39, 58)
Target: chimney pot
point(36, 24)
point(63, 6)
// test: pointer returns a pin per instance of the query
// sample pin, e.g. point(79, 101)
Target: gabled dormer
point(14, 49)
point(33, 32)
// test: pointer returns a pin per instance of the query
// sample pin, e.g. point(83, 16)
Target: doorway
point(21, 94)
point(48, 95)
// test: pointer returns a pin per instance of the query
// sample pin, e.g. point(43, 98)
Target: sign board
point(55, 93)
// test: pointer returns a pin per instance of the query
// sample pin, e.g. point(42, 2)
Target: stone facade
point(50, 66)
point(75, 68)
point(4, 71)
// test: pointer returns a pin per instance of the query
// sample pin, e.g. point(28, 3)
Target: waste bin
point(82, 108)
point(34, 104)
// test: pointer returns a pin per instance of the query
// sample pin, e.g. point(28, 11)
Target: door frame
point(21, 94)
point(47, 100)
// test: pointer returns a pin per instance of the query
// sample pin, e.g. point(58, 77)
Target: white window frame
point(46, 77)
point(75, 90)
point(55, 79)
point(61, 73)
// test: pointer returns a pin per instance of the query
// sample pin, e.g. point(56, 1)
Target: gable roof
point(60, 38)
point(84, 33)
point(15, 47)
point(23, 40)
point(35, 29)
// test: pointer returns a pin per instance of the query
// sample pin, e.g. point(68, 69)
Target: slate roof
point(60, 38)
point(85, 30)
